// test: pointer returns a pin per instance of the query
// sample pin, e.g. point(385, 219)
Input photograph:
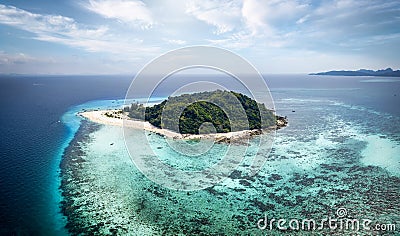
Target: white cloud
point(267, 17)
point(236, 41)
point(175, 41)
point(23, 63)
point(14, 59)
point(129, 11)
point(223, 15)
point(254, 15)
point(44, 23)
point(303, 19)
point(65, 30)
point(350, 24)
point(248, 23)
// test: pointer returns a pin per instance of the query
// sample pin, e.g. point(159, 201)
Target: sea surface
point(33, 139)
point(341, 150)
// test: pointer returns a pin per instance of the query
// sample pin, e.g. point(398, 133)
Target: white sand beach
point(116, 118)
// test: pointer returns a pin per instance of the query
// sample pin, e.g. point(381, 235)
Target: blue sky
point(121, 36)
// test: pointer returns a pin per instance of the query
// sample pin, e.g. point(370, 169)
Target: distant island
point(185, 116)
point(389, 72)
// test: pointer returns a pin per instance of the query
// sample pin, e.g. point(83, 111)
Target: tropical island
point(389, 72)
point(184, 116)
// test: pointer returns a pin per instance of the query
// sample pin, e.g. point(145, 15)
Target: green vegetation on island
point(187, 113)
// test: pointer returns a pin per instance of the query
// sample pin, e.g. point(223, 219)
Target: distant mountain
point(363, 72)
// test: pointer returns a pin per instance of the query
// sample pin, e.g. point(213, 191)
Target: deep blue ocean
point(33, 137)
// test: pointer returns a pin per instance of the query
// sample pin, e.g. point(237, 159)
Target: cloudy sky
point(121, 36)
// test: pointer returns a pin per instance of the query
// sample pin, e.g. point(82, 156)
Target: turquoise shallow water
point(332, 155)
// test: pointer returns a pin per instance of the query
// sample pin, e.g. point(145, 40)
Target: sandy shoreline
point(115, 118)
